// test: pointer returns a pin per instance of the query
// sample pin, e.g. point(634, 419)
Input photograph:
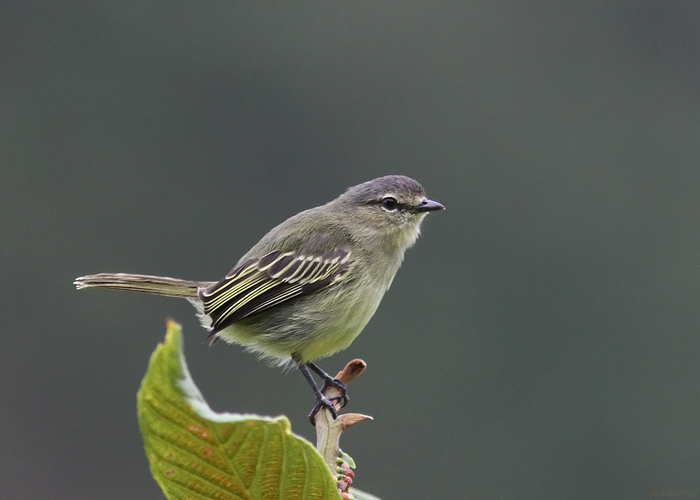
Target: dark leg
point(321, 400)
point(329, 381)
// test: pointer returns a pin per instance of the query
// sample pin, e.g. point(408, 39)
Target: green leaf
point(196, 453)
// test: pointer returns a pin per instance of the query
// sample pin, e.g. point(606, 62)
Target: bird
point(309, 287)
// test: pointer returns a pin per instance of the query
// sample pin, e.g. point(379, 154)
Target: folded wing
point(263, 283)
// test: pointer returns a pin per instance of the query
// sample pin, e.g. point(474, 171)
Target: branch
point(328, 431)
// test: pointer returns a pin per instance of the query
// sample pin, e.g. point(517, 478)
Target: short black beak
point(429, 206)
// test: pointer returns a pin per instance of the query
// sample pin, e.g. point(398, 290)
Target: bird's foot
point(323, 402)
point(338, 384)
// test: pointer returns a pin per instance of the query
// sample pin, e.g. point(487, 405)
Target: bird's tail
point(158, 285)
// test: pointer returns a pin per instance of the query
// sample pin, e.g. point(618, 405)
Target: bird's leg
point(329, 381)
point(321, 400)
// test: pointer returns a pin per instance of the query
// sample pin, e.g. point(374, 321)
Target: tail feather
point(158, 285)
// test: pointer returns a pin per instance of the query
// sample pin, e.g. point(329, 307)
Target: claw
point(324, 402)
point(340, 386)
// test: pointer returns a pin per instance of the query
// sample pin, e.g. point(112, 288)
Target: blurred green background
point(542, 339)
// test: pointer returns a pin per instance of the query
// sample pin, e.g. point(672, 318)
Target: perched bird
point(311, 284)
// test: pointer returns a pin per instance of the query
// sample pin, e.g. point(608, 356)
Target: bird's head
point(391, 207)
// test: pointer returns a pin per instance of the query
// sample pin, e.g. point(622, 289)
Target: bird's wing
point(265, 282)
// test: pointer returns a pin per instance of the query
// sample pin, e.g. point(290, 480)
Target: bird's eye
point(390, 203)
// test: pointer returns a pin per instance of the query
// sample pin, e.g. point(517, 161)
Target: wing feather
point(273, 279)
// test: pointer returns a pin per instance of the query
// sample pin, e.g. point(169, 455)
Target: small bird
point(311, 284)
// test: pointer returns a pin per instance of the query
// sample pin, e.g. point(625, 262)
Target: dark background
point(542, 339)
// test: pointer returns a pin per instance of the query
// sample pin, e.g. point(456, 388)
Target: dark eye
point(390, 203)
